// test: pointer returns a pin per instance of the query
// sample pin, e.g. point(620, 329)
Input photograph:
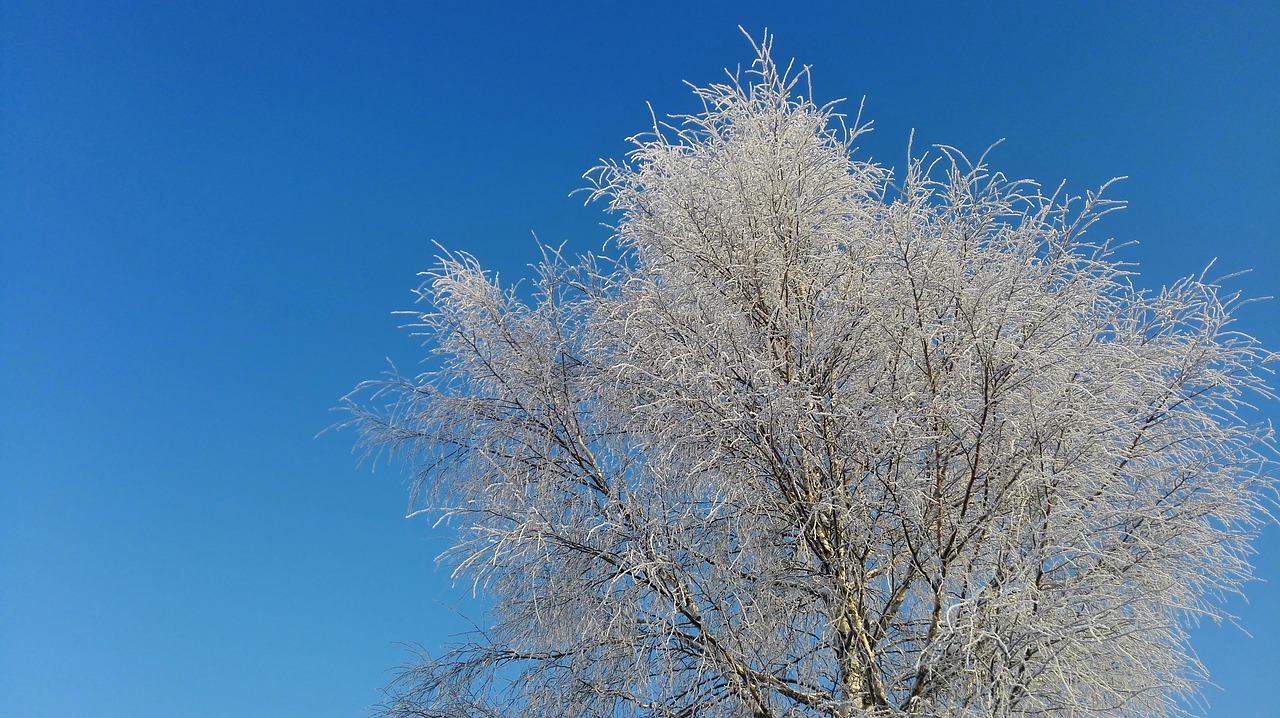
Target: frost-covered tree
point(825, 441)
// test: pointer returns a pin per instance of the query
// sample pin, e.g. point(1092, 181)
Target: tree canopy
point(819, 439)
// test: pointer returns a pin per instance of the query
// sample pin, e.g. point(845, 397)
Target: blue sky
point(208, 214)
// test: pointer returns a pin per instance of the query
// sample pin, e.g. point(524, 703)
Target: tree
point(820, 441)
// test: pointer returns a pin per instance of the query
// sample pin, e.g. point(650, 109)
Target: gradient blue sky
point(209, 211)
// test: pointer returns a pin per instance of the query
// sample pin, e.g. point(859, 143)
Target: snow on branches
point(823, 441)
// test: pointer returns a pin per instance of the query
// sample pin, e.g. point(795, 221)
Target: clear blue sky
point(208, 215)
